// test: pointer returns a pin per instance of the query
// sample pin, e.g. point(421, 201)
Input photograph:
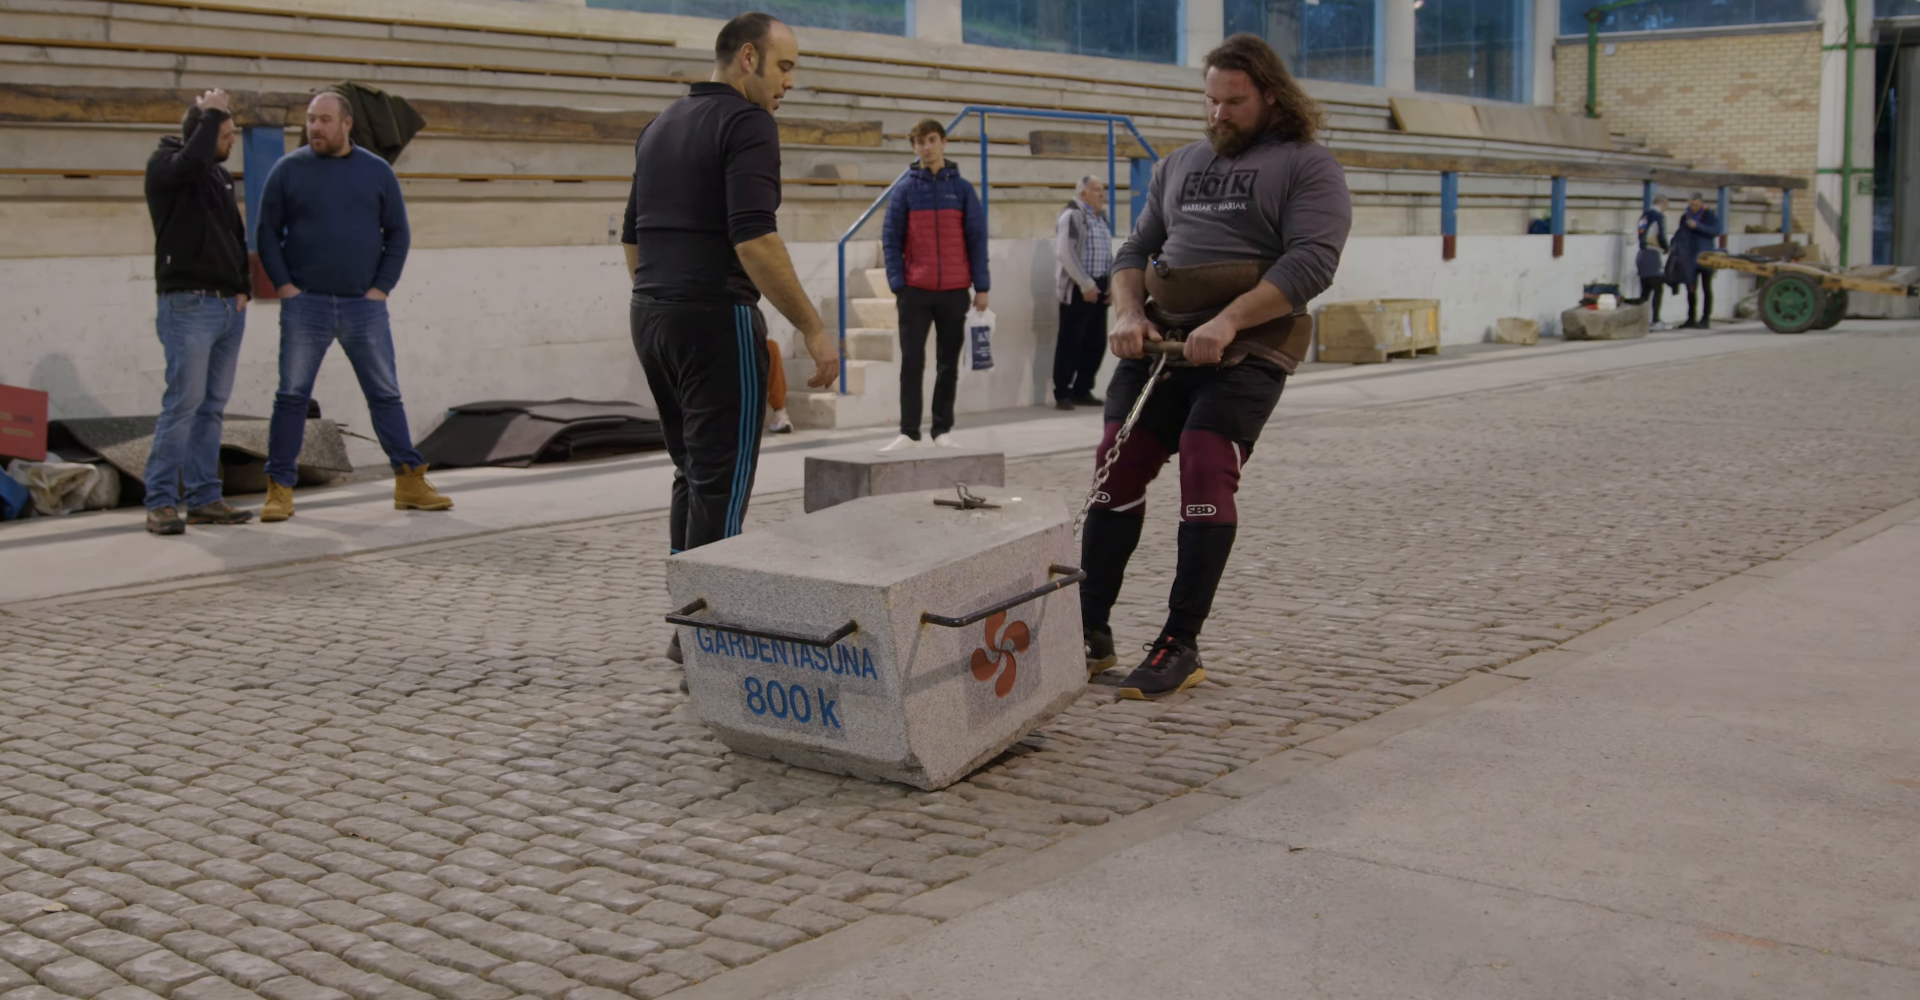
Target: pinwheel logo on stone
point(1003, 640)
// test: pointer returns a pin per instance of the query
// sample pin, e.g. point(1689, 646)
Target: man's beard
point(1227, 140)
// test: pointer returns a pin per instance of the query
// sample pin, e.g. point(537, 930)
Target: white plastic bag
point(60, 487)
point(980, 338)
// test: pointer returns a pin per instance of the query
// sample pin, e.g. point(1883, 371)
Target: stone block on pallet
point(899, 698)
point(837, 477)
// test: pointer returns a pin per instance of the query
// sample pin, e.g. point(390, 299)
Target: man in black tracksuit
point(702, 245)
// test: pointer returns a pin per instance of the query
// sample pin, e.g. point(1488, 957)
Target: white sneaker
point(900, 444)
point(779, 423)
point(945, 441)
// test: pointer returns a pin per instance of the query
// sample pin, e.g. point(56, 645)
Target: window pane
point(1469, 47)
point(1658, 15)
point(1147, 30)
point(888, 17)
point(1317, 39)
point(1896, 8)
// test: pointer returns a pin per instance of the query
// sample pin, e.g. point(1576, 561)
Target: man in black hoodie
point(200, 269)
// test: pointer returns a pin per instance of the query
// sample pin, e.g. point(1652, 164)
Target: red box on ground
point(23, 423)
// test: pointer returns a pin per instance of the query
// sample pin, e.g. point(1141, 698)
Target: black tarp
point(519, 433)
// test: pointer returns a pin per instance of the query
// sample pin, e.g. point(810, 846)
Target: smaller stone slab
point(1624, 323)
point(1516, 330)
point(837, 477)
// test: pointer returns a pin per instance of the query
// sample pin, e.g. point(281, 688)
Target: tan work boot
point(411, 491)
point(279, 504)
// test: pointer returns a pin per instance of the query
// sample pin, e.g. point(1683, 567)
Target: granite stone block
point(899, 699)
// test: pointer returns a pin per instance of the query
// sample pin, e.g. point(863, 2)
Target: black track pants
point(706, 364)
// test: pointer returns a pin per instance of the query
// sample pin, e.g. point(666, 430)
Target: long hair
point(1296, 117)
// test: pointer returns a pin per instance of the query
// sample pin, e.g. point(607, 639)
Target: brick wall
point(1722, 102)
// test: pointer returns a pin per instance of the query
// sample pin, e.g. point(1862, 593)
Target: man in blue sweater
point(332, 237)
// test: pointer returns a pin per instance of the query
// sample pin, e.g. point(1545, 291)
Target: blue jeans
point(201, 336)
point(309, 324)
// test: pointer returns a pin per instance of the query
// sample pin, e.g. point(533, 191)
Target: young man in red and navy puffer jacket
point(935, 245)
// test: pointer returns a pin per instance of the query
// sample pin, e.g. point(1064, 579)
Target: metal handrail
point(1068, 576)
point(983, 110)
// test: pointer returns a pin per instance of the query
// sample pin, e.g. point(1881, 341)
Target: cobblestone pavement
point(445, 773)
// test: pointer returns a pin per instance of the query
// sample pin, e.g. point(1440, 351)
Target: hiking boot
point(411, 491)
point(1100, 655)
point(165, 521)
point(279, 505)
point(218, 512)
point(1171, 667)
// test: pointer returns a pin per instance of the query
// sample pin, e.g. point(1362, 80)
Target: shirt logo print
point(1000, 646)
point(1203, 186)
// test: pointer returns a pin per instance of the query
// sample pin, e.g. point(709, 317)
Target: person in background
point(1083, 262)
point(200, 272)
point(1692, 237)
point(1651, 238)
point(935, 245)
point(332, 238)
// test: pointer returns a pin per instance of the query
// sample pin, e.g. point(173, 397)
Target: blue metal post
point(1113, 217)
point(1786, 215)
point(983, 163)
point(842, 302)
point(260, 148)
point(1646, 196)
point(1449, 212)
point(1725, 222)
point(1139, 178)
point(1559, 216)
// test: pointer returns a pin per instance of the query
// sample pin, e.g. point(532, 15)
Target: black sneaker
point(673, 648)
point(218, 512)
point(1089, 400)
point(1171, 667)
point(1100, 655)
point(1063, 404)
point(165, 521)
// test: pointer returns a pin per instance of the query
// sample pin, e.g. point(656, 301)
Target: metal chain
point(1119, 438)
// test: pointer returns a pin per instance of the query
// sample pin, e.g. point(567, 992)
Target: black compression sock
point(1204, 549)
point(1107, 541)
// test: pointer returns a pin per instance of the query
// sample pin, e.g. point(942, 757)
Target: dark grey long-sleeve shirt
point(1286, 201)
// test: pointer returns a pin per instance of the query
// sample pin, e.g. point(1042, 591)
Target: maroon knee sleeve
point(1209, 476)
point(1140, 460)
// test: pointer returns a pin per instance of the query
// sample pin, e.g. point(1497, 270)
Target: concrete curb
point(814, 959)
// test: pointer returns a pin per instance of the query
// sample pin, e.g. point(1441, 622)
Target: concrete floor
point(51, 557)
point(1725, 806)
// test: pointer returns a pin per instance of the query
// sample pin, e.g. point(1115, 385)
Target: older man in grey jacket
point(1083, 260)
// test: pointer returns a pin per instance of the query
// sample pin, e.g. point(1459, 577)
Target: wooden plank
point(1084, 144)
point(1423, 117)
point(534, 122)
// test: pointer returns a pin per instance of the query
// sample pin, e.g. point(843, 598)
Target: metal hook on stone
point(967, 500)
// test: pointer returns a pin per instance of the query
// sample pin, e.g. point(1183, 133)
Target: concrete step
point(873, 313)
point(869, 283)
point(872, 345)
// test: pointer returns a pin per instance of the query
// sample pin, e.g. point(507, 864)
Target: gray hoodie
point(1284, 201)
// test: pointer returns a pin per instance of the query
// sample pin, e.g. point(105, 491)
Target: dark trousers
point(1703, 280)
point(946, 312)
point(1081, 344)
point(1651, 289)
point(706, 364)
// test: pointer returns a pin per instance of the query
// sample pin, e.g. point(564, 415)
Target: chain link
point(1119, 438)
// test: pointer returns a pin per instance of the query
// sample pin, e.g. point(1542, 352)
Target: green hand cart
point(1796, 297)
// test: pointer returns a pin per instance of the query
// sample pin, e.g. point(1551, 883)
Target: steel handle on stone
point(1074, 575)
point(685, 617)
point(1153, 347)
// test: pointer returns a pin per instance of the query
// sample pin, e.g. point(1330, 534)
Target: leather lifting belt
point(1182, 298)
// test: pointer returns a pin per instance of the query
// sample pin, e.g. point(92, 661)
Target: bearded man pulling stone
point(1238, 233)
